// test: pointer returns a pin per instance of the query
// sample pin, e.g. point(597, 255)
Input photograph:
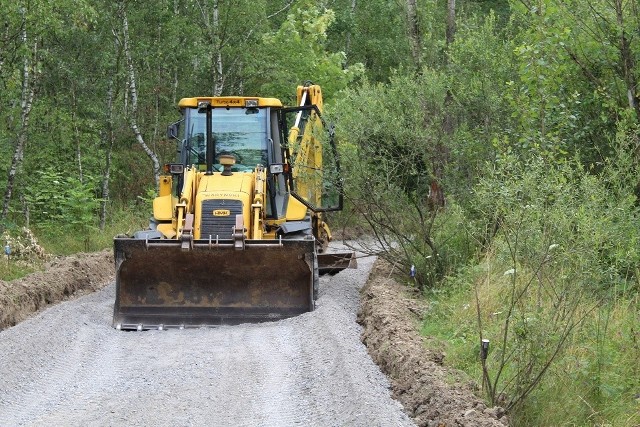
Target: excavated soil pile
point(63, 278)
point(390, 317)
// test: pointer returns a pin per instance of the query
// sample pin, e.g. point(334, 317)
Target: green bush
point(60, 203)
point(390, 140)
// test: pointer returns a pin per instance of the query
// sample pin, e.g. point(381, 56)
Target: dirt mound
point(63, 278)
point(390, 317)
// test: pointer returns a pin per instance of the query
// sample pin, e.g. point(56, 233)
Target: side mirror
point(172, 130)
point(173, 168)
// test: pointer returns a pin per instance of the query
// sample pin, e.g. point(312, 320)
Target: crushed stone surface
point(68, 366)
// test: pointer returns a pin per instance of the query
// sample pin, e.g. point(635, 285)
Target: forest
point(493, 145)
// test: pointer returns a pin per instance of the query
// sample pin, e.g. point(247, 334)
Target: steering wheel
point(228, 153)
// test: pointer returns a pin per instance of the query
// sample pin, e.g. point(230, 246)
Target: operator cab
point(245, 128)
point(255, 132)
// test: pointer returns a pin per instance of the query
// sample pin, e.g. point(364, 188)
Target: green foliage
point(25, 253)
point(122, 219)
point(304, 32)
point(389, 138)
point(556, 293)
point(573, 89)
point(480, 62)
point(59, 203)
point(392, 130)
point(372, 34)
point(22, 244)
point(29, 252)
point(602, 231)
point(595, 376)
point(500, 8)
point(545, 105)
point(11, 271)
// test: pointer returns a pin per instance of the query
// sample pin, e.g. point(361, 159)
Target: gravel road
point(67, 366)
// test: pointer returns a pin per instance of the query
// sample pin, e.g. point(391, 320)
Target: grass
point(11, 270)
point(120, 221)
point(60, 241)
point(597, 380)
point(594, 381)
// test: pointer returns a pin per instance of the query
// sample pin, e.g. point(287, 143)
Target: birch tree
point(29, 80)
point(133, 92)
point(232, 36)
point(414, 32)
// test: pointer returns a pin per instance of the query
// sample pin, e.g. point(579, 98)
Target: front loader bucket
point(160, 285)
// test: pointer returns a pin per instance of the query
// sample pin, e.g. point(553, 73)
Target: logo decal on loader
point(221, 212)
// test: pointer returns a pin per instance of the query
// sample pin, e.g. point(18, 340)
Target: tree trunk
point(413, 28)
point(76, 133)
point(109, 138)
point(133, 91)
point(441, 153)
point(628, 61)
point(218, 77)
point(448, 122)
point(3, 54)
point(347, 43)
point(26, 102)
point(451, 22)
point(212, 24)
point(174, 83)
point(25, 211)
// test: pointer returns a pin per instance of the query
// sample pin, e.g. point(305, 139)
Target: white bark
point(347, 43)
point(133, 91)
point(212, 24)
point(451, 21)
point(109, 139)
point(26, 102)
point(76, 133)
point(218, 76)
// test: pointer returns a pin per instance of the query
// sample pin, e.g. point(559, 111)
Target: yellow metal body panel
point(257, 207)
point(314, 95)
point(167, 229)
point(165, 185)
point(296, 211)
point(307, 148)
point(238, 186)
point(163, 208)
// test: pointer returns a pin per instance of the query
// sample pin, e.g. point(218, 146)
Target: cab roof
point(229, 101)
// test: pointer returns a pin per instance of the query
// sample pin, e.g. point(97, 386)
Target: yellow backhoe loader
point(238, 231)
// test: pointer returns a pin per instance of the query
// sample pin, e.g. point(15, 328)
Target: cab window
point(241, 132)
